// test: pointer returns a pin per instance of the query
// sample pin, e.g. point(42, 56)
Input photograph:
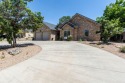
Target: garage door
point(45, 35)
point(38, 36)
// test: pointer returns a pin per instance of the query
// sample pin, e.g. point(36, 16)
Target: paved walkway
point(67, 62)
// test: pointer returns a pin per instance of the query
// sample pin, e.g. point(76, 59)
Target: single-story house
point(80, 27)
point(47, 32)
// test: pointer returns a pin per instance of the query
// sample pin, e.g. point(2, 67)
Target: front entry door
point(66, 34)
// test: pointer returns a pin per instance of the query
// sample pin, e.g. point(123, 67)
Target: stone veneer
point(66, 28)
point(52, 33)
point(82, 24)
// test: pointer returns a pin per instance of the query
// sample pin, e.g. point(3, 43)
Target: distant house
point(47, 32)
point(80, 27)
point(28, 33)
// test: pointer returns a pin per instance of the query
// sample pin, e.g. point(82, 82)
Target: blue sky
point(52, 10)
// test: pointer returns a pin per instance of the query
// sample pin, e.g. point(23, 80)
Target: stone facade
point(66, 27)
point(77, 27)
point(45, 29)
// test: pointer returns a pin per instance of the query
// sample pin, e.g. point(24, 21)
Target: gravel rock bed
point(11, 56)
point(113, 47)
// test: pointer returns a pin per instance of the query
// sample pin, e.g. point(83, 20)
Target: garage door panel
point(45, 35)
point(38, 36)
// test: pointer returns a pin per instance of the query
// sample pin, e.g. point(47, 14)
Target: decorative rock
point(14, 51)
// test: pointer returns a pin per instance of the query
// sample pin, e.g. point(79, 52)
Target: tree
point(64, 19)
point(15, 16)
point(110, 29)
point(113, 20)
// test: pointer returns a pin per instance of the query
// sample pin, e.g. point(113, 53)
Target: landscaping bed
point(11, 56)
point(111, 47)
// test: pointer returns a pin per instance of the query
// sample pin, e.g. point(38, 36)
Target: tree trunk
point(14, 40)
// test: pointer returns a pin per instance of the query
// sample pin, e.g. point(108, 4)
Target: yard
point(67, 62)
point(112, 47)
point(25, 51)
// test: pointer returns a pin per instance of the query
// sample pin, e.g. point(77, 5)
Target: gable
point(66, 26)
point(44, 28)
point(79, 19)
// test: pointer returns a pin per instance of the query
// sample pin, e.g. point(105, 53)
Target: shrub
point(99, 43)
point(69, 38)
point(80, 40)
point(61, 39)
point(1, 39)
point(102, 47)
point(2, 57)
point(122, 49)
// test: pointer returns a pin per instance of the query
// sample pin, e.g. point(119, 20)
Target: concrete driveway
point(67, 62)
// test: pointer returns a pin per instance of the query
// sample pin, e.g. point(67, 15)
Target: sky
point(52, 10)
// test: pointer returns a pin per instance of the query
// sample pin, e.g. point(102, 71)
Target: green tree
point(64, 19)
point(113, 20)
point(15, 16)
point(110, 29)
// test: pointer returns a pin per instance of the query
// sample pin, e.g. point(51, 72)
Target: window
point(86, 32)
point(66, 33)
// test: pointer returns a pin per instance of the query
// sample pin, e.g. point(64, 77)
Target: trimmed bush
point(122, 49)
point(69, 38)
